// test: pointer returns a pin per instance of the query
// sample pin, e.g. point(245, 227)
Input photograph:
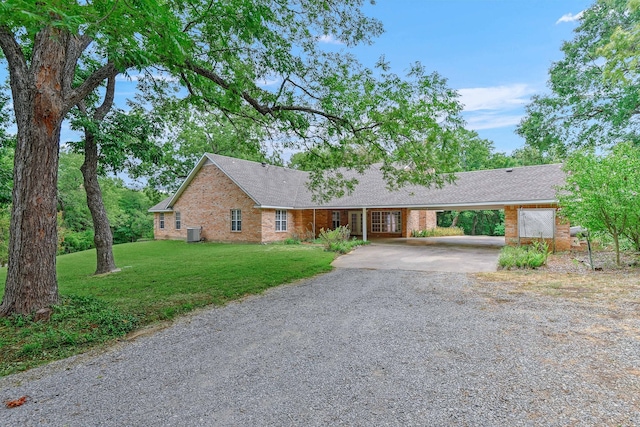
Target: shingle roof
point(267, 185)
point(273, 186)
point(162, 206)
point(495, 187)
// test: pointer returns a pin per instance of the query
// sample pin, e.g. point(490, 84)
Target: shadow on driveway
point(460, 254)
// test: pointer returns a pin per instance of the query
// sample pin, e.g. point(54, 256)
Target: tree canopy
point(595, 88)
point(601, 192)
point(223, 54)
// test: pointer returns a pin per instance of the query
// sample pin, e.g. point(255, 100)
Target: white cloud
point(570, 17)
point(329, 39)
point(492, 121)
point(496, 97)
point(495, 106)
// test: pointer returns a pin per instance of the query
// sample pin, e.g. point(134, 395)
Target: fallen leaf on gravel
point(15, 403)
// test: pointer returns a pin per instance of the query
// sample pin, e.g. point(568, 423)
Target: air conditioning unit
point(193, 234)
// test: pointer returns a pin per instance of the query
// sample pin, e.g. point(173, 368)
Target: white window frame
point(281, 220)
point(386, 222)
point(161, 221)
point(178, 220)
point(335, 219)
point(236, 220)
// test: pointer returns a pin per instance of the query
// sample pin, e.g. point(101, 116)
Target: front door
point(355, 222)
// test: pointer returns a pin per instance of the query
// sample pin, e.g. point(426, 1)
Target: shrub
point(532, 256)
point(291, 241)
point(75, 241)
point(340, 234)
point(338, 240)
point(438, 232)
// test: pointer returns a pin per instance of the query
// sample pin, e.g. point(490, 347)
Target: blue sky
point(496, 53)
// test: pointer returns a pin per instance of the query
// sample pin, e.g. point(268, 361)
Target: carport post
point(364, 224)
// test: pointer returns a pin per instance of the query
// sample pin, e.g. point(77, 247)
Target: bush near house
point(338, 240)
point(531, 256)
point(438, 232)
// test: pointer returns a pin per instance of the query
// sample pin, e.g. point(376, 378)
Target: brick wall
point(207, 203)
point(420, 220)
point(268, 225)
point(562, 235)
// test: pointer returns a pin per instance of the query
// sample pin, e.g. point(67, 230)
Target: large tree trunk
point(33, 242)
point(43, 93)
point(103, 238)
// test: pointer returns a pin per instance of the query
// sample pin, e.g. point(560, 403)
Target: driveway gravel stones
point(355, 347)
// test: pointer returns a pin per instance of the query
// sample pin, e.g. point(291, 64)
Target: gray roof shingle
point(162, 206)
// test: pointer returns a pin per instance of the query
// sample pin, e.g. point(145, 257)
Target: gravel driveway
point(354, 347)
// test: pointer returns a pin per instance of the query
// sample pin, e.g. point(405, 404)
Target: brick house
point(233, 200)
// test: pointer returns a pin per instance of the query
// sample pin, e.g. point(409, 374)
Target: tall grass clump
point(338, 240)
point(531, 256)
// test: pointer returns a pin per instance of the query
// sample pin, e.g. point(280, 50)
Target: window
point(236, 220)
point(161, 221)
point(178, 222)
point(281, 220)
point(335, 219)
point(386, 222)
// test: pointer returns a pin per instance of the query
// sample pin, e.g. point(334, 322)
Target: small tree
point(601, 192)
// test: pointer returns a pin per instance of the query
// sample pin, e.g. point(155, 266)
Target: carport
point(460, 254)
point(527, 195)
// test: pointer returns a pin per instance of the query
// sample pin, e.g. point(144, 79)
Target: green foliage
point(340, 234)
point(601, 192)
point(338, 240)
point(7, 144)
point(126, 208)
point(438, 232)
point(344, 247)
point(594, 98)
point(485, 223)
point(532, 256)
point(291, 241)
point(189, 134)
point(149, 288)
point(73, 241)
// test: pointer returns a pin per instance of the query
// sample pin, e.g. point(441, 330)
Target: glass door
point(355, 222)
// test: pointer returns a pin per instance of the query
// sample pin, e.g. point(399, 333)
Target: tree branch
point(261, 108)
point(18, 69)
point(92, 82)
point(109, 95)
point(192, 23)
point(75, 46)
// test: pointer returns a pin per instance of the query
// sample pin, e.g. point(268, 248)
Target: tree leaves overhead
point(263, 61)
point(594, 100)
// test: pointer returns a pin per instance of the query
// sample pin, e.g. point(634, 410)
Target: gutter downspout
point(314, 224)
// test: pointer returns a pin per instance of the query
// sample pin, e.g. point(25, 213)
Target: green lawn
point(159, 279)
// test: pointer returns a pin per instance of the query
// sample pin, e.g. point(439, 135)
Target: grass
point(159, 280)
point(609, 288)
